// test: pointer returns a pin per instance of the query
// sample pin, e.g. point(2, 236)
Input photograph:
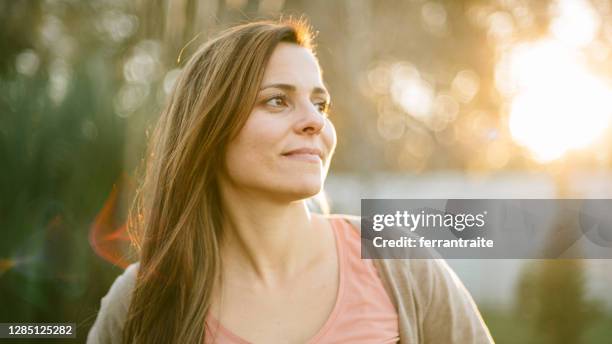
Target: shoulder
point(114, 306)
point(429, 295)
point(421, 278)
point(429, 262)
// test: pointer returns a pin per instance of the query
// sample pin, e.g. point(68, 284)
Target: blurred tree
point(552, 293)
point(61, 150)
point(551, 296)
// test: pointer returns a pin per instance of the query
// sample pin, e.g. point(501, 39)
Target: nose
point(310, 121)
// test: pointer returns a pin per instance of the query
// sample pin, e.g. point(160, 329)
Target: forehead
point(292, 64)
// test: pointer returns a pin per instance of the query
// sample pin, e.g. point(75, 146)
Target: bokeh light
point(557, 104)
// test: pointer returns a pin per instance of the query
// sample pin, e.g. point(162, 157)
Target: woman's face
point(286, 144)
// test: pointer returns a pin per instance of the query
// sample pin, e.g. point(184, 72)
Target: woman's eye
point(276, 101)
point(323, 106)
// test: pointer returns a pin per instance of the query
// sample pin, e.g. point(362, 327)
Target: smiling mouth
point(306, 157)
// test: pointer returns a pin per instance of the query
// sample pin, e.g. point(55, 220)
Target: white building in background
point(492, 282)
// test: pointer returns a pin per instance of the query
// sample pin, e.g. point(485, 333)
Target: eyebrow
point(291, 88)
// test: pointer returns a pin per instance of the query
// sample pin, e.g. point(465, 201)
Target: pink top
point(363, 312)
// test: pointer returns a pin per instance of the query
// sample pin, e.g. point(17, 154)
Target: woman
point(230, 253)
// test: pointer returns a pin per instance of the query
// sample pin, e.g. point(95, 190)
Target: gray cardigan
point(432, 304)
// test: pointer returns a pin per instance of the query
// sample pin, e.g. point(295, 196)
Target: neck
point(264, 240)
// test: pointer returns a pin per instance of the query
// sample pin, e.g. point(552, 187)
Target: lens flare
point(108, 240)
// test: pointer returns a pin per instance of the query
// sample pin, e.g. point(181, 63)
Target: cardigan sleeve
point(449, 314)
point(108, 327)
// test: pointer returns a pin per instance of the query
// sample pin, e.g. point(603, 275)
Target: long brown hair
point(176, 220)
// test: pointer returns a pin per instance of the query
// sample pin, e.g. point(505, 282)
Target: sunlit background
point(431, 99)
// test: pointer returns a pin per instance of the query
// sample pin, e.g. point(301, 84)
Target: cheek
point(255, 147)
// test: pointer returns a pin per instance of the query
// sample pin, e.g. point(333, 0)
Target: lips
point(305, 153)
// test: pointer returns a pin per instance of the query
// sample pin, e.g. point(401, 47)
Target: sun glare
point(556, 103)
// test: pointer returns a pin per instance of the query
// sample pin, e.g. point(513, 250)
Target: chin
point(306, 192)
point(304, 189)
